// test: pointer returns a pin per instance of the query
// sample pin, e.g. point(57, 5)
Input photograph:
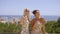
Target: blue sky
point(16, 7)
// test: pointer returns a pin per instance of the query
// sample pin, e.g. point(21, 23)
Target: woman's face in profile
point(37, 14)
point(27, 12)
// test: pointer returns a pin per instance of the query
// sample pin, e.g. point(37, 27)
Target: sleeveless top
point(37, 28)
point(25, 24)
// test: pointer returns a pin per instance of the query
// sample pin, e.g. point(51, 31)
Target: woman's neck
point(37, 17)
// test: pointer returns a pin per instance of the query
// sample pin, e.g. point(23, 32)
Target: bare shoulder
point(42, 20)
point(32, 21)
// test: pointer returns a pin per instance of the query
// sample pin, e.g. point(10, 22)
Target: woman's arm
point(42, 20)
point(32, 24)
point(43, 27)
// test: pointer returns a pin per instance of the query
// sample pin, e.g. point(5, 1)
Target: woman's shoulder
point(33, 19)
point(42, 20)
point(23, 17)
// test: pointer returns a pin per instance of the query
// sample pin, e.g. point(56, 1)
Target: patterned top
point(37, 27)
point(25, 24)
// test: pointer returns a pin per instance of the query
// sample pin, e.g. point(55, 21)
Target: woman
point(25, 22)
point(38, 24)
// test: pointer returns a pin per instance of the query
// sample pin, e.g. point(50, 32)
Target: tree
point(50, 26)
point(58, 21)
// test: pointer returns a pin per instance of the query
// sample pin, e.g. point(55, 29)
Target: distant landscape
point(14, 27)
point(47, 18)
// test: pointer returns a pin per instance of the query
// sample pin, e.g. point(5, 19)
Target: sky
point(16, 7)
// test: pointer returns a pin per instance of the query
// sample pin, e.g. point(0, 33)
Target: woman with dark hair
point(38, 23)
point(25, 22)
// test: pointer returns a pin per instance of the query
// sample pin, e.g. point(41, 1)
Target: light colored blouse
point(25, 24)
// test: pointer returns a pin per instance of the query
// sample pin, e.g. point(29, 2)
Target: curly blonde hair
point(27, 13)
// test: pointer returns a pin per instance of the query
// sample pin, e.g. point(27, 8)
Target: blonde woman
point(25, 22)
point(38, 23)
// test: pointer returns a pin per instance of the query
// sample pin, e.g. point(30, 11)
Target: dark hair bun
point(35, 11)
